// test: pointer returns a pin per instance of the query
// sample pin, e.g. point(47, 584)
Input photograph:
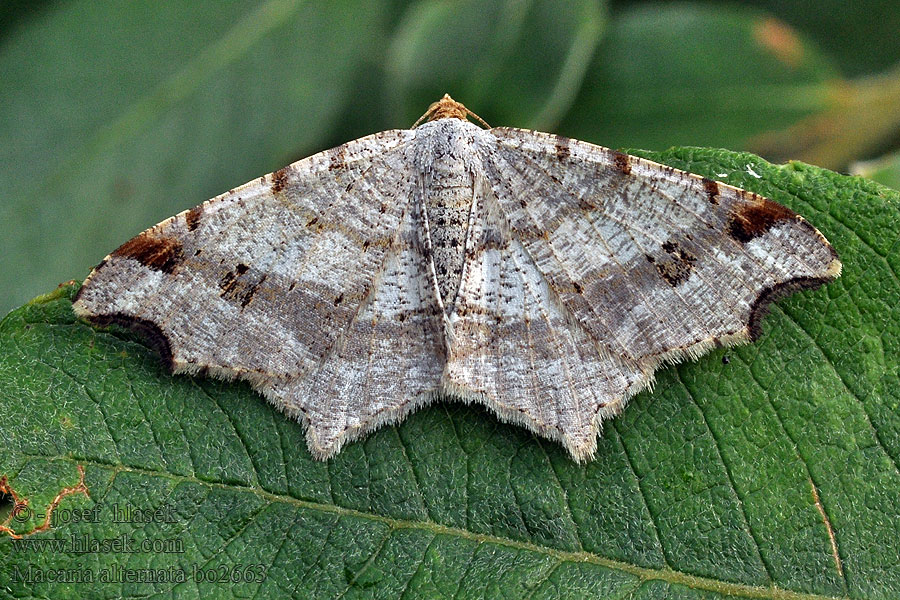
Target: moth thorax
point(448, 203)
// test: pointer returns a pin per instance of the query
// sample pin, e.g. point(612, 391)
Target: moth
point(544, 277)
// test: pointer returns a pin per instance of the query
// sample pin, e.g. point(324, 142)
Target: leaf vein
point(737, 495)
point(837, 372)
point(667, 574)
point(799, 454)
point(643, 496)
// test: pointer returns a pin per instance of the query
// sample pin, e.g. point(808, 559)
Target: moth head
point(448, 108)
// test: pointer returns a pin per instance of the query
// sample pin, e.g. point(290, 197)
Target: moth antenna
point(447, 107)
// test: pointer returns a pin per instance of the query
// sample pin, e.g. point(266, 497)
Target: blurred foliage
point(884, 170)
point(859, 37)
point(116, 115)
point(658, 82)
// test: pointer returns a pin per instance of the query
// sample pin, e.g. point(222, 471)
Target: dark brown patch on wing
point(562, 147)
point(237, 288)
point(193, 217)
point(279, 180)
point(678, 267)
point(315, 225)
point(248, 294)
point(159, 254)
point(230, 280)
point(712, 190)
point(149, 330)
point(760, 306)
point(622, 162)
point(755, 219)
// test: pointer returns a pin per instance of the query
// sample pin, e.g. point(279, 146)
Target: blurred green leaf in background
point(778, 480)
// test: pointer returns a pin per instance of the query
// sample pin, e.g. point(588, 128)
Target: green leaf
point(117, 114)
point(685, 73)
point(517, 61)
point(772, 476)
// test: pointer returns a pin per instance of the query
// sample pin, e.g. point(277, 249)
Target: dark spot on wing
point(193, 217)
point(229, 281)
point(562, 148)
point(149, 330)
point(247, 296)
point(280, 179)
point(677, 268)
point(237, 288)
point(760, 306)
point(588, 204)
point(159, 254)
point(712, 190)
point(754, 219)
point(622, 162)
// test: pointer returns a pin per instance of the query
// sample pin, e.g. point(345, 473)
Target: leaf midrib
point(644, 573)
